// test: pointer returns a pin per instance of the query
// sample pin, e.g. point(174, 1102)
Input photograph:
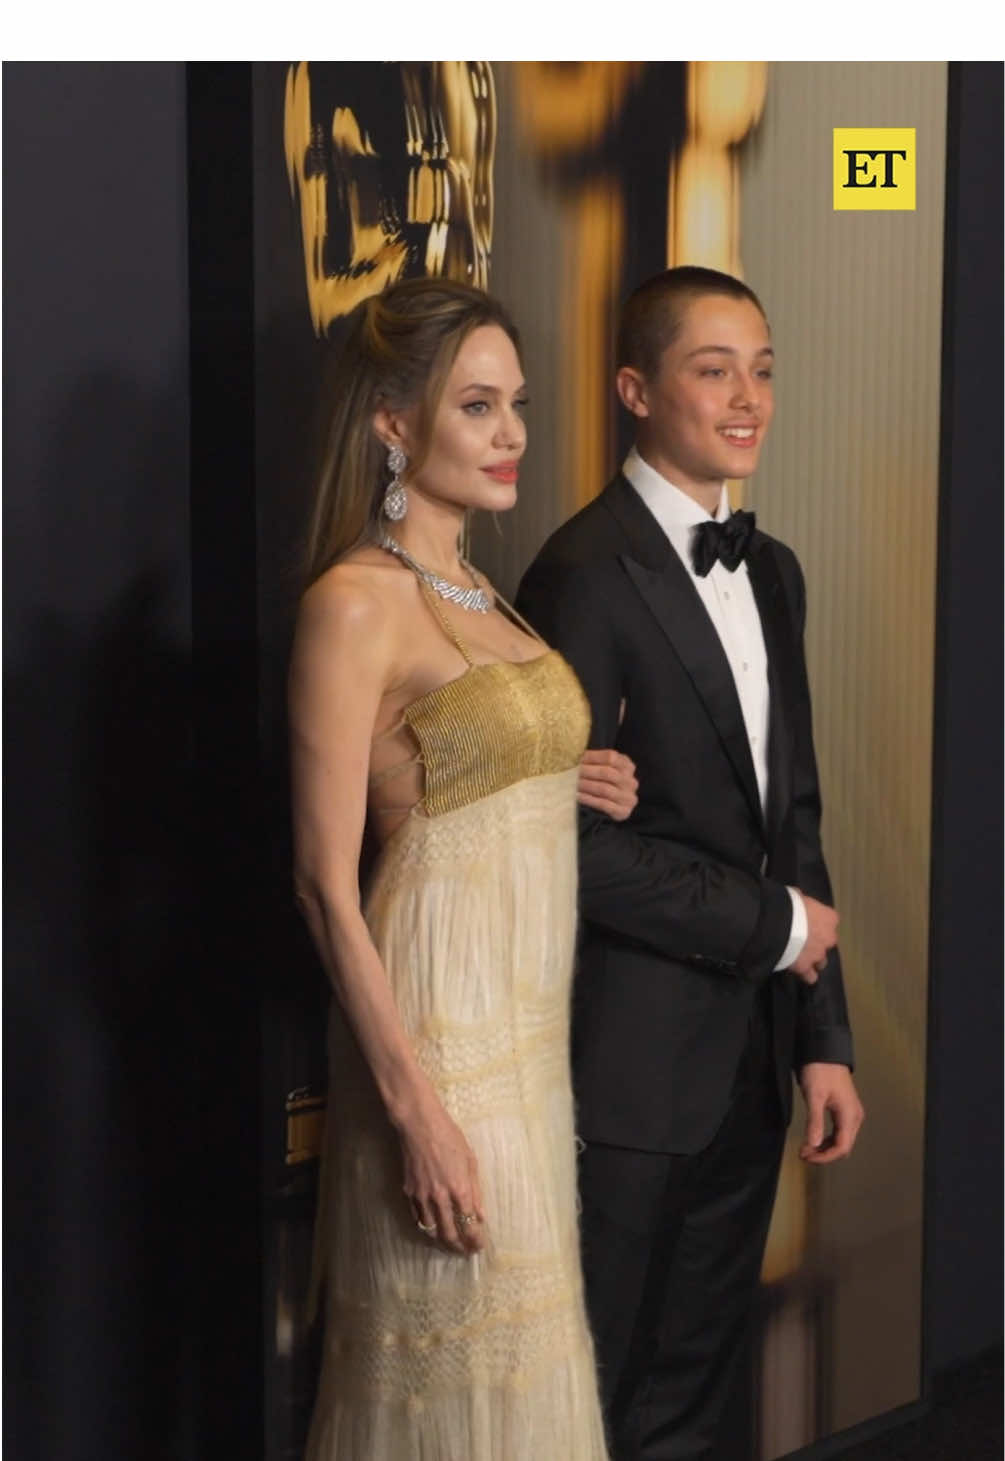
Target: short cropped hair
point(653, 314)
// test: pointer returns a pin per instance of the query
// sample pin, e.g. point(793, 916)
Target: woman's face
point(478, 434)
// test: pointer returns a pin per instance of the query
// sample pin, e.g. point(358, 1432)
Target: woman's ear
point(391, 428)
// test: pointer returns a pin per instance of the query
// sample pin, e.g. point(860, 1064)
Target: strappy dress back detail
point(495, 724)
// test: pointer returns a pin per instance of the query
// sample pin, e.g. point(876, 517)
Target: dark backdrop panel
point(965, 1122)
point(230, 827)
point(101, 1212)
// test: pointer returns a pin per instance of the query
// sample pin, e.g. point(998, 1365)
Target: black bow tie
point(726, 541)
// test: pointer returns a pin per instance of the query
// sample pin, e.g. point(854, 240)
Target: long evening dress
point(428, 1355)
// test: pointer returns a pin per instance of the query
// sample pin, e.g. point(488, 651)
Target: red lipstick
point(504, 472)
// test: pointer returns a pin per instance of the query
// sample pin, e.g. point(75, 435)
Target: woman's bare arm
point(344, 660)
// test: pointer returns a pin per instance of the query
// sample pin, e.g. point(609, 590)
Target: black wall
point(132, 979)
point(964, 1176)
point(100, 1124)
point(132, 1306)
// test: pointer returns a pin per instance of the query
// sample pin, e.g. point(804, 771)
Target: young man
point(709, 970)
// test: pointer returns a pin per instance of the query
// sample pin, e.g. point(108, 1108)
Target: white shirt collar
point(672, 508)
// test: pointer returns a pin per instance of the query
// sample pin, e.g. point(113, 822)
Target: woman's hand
point(441, 1180)
point(607, 782)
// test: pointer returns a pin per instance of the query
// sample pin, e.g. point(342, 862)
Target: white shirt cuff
point(797, 933)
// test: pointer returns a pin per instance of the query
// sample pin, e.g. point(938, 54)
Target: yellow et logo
point(874, 167)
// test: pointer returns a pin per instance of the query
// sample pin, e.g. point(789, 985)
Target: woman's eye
point(476, 408)
point(521, 403)
point(713, 370)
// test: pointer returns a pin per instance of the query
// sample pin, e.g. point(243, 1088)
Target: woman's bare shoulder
point(364, 590)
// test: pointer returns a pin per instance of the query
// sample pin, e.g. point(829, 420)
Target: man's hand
point(821, 937)
point(829, 1088)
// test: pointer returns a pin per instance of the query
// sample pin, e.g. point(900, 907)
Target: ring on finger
point(425, 1227)
point(467, 1217)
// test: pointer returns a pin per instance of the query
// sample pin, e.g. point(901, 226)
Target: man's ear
point(631, 386)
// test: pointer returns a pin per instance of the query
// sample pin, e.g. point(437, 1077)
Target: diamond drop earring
point(395, 503)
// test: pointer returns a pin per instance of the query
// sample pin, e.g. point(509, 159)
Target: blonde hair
point(398, 352)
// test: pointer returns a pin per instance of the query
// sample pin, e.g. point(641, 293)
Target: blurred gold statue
point(407, 148)
point(681, 122)
point(724, 103)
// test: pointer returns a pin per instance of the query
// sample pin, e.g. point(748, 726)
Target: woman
point(455, 1328)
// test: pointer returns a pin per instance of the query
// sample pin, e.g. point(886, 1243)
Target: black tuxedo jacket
point(684, 908)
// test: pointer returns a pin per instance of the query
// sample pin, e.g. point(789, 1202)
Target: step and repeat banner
point(559, 186)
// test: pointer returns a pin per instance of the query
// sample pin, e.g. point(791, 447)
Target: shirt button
point(726, 594)
point(745, 665)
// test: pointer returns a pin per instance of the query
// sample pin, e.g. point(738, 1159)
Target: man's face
point(704, 417)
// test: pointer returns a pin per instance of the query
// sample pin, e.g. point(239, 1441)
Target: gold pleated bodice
point(492, 726)
point(496, 725)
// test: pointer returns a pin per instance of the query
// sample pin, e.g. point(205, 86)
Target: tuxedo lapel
point(769, 595)
point(659, 576)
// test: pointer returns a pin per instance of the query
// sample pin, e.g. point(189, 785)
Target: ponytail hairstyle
point(398, 352)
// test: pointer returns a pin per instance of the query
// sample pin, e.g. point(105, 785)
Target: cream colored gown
point(430, 1356)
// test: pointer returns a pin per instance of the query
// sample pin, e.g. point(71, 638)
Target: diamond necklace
point(465, 598)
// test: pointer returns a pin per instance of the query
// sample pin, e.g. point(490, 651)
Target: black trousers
point(672, 1248)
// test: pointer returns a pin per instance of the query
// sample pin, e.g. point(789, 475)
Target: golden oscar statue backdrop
point(559, 186)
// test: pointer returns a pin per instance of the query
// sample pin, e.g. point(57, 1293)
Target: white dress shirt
point(729, 601)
